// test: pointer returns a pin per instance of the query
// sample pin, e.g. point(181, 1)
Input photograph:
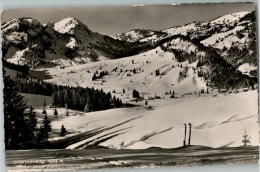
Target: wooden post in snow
point(185, 131)
point(189, 133)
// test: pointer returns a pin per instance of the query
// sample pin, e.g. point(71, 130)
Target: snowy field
point(217, 121)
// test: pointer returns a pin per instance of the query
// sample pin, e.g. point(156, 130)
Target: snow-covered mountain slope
point(202, 30)
point(136, 35)
point(227, 43)
point(194, 30)
point(164, 123)
point(237, 45)
point(178, 66)
point(33, 27)
point(183, 45)
point(68, 40)
point(232, 35)
point(229, 18)
point(69, 26)
point(135, 72)
point(183, 30)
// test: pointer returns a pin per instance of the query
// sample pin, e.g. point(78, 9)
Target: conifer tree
point(44, 111)
point(15, 119)
point(32, 124)
point(55, 113)
point(136, 94)
point(45, 128)
point(94, 77)
point(63, 130)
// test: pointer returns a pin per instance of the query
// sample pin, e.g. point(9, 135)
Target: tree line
point(84, 99)
point(76, 98)
point(17, 67)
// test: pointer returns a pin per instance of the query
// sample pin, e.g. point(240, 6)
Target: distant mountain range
point(27, 41)
point(232, 35)
point(224, 48)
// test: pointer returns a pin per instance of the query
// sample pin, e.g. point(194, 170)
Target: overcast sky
point(117, 19)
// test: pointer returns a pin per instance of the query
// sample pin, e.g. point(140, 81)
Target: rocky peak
point(69, 26)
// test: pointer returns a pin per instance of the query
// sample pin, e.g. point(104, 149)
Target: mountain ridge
point(70, 42)
point(68, 38)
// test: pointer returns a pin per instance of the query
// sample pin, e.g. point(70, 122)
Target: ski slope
point(216, 122)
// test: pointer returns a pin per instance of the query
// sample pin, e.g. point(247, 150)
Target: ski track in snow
point(139, 128)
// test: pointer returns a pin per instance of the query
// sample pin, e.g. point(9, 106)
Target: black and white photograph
point(137, 86)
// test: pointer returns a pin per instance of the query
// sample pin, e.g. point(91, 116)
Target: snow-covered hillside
point(122, 76)
point(183, 30)
point(230, 18)
point(228, 34)
point(216, 122)
point(136, 35)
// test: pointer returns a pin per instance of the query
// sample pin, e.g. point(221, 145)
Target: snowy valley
point(203, 73)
